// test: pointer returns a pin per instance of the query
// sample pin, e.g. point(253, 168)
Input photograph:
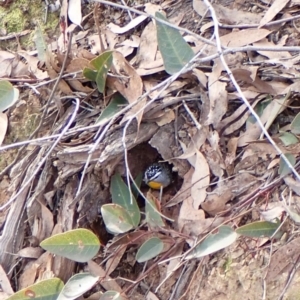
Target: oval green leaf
point(258, 229)
point(295, 125)
point(116, 104)
point(116, 218)
point(288, 138)
point(77, 285)
point(149, 249)
point(8, 95)
point(112, 295)
point(80, 245)
point(40, 44)
point(175, 51)
point(89, 74)
point(138, 181)
point(153, 218)
point(102, 64)
point(121, 195)
point(214, 242)
point(48, 289)
point(283, 167)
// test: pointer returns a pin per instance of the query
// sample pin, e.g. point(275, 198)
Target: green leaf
point(292, 213)
point(116, 218)
point(112, 295)
point(149, 249)
point(89, 74)
point(288, 138)
point(214, 242)
point(295, 125)
point(258, 229)
point(48, 289)
point(8, 95)
point(102, 64)
point(152, 216)
point(116, 104)
point(77, 285)
point(138, 181)
point(79, 245)
point(175, 51)
point(121, 195)
point(283, 167)
point(259, 109)
point(40, 44)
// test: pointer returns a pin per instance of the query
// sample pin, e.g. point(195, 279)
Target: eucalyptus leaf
point(8, 95)
point(112, 295)
point(258, 229)
point(102, 63)
point(153, 218)
point(149, 249)
point(121, 195)
point(77, 285)
point(288, 138)
point(295, 125)
point(48, 289)
point(116, 218)
point(80, 245)
point(214, 242)
point(116, 104)
point(175, 51)
point(284, 169)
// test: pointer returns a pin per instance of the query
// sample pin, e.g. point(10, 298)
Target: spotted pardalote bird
point(158, 176)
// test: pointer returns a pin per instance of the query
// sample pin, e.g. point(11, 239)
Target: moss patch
point(21, 15)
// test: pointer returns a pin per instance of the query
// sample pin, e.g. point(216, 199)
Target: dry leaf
point(215, 161)
point(31, 252)
point(128, 83)
point(227, 15)
point(201, 77)
point(148, 47)
point(198, 227)
point(217, 95)
point(231, 155)
point(120, 30)
point(253, 131)
point(243, 37)
point(293, 184)
point(29, 274)
point(127, 47)
point(249, 75)
point(277, 57)
point(6, 61)
point(166, 118)
point(275, 8)
point(106, 281)
point(5, 284)
point(272, 211)
point(200, 180)
point(215, 201)
point(114, 261)
point(185, 190)
point(33, 62)
point(189, 213)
